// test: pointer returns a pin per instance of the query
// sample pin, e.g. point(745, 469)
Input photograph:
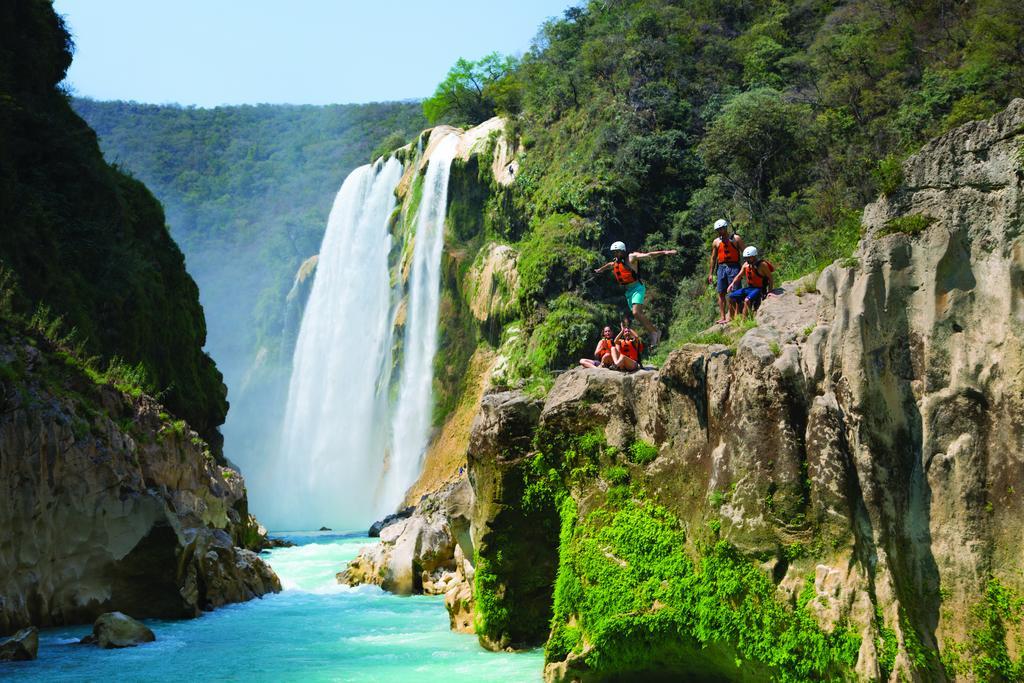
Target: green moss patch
point(629, 599)
point(912, 224)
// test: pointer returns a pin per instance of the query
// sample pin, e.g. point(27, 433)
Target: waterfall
point(335, 427)
point(412, 414)
point(350, 446)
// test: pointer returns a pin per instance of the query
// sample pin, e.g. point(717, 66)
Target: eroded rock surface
point(863, 445)
point(422, 553)
point(107, 503)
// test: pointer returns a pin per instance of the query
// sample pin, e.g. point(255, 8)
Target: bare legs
point(638, 313)
point(621, 361)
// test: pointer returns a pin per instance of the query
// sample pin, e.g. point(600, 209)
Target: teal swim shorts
point(635, 293)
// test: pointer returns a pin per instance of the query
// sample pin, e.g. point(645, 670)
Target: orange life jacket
point(727, 251)
point(754, 278)
point(604, 346)
point(624, 275)
point(630, 349)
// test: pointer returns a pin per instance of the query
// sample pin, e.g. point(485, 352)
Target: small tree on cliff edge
point(473, 92)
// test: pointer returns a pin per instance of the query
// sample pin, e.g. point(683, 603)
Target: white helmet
point(618, 246)
point(749, 251)
point(721, 223)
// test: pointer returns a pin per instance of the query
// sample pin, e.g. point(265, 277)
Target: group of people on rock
point(621, 353)
point(731, 262)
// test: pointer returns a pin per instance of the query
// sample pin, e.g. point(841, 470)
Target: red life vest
point(624, 275)
point(604, 346)
point(630, 349)
point(727, 251)
point(754, 278)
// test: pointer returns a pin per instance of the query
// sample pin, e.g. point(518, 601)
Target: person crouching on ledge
point(758, 273)
point(603, 352)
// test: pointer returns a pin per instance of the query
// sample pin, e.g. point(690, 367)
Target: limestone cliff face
point(107, 503)
point(862, 448)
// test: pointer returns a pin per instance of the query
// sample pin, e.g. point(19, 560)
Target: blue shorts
point(727, 272)
point(751, 294)
point(635, 294)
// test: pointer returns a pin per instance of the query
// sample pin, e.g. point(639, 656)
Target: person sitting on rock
point(725, 265)
point(603, 352)
point(758, 273)
point(624, 267)
point(626, 351)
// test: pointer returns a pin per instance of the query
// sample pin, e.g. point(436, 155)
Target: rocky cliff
point(109, 503)
point(834, 496)
point(87, 241)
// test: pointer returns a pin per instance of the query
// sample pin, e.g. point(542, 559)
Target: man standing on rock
point(625, 269)
point(725, 264)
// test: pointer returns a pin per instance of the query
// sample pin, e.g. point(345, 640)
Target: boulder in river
point(116, 629)
point(22, 646)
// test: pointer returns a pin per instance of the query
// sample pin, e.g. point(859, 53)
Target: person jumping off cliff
point(725, 265)
point(625, 269)
point(603, 352)
point(758, 273)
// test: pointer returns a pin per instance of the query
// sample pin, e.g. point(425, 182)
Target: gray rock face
point(106, 504)
point(117, 630)
point(423, 553)
point(20, 647)
point(867, 438)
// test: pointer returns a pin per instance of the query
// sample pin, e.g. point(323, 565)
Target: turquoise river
point(314, 630)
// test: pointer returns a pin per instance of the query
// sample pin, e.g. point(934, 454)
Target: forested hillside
point(247, 191)
point(84, 249)
point(645, 120)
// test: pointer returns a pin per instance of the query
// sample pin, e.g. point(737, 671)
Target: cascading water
point(335, 427)
point(412, 414)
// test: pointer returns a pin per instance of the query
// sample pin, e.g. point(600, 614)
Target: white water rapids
point(350, 446)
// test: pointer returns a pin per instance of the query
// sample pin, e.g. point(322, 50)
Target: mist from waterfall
point(335, 427)
point(413, 411)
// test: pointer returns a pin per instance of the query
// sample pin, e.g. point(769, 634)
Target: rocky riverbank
point(110, 504)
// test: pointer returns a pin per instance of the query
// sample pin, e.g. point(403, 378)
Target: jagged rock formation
point(425, 552)
point(862, 448)
point(107, 503)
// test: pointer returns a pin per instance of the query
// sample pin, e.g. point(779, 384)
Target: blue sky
point(212, 52)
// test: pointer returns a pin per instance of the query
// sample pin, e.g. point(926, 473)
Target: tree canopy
point(473, 91)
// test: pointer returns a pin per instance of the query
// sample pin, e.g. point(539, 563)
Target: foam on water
point(314, 630)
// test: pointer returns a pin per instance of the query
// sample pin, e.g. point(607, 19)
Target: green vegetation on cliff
point(646, 120)
point(629, 598)
point(86, 240)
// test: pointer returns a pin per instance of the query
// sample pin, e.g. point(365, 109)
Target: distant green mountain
point(247, 191)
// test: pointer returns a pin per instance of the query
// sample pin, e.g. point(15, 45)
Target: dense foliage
point(85, 243)
point(247, 191)
point(473, 91)
point(645, 120)
point(630, 599)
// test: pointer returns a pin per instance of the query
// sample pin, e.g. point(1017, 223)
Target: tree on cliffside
point(473, 92)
